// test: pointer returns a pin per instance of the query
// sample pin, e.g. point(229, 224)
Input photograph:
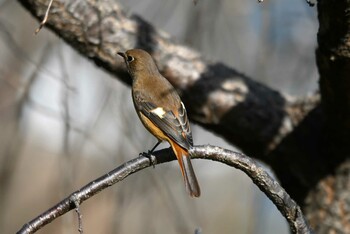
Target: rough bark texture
point(304, 141)
point(328, 203)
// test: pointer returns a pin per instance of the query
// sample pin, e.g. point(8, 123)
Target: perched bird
point(161, 111)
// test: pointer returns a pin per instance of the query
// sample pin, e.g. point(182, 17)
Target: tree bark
point(327, 204)
point(304, 140)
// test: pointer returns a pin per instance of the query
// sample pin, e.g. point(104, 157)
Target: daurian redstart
point(161, 111)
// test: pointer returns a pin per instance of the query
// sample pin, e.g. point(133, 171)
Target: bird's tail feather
point(188, 174)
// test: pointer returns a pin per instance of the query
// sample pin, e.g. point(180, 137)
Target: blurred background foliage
point(64, 122)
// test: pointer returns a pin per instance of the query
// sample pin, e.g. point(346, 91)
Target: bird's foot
point(152, 159)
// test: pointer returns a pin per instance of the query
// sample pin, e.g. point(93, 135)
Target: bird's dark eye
point(130, 58)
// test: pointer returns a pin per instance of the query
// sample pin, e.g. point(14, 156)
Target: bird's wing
point(175, 127)
point(185, 123)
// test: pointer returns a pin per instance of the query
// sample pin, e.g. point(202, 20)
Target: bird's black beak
point(122, 55)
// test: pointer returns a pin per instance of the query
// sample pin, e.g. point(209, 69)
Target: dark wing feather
point(185, 124)
point(178, 129)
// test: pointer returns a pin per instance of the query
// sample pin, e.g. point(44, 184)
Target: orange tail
point(190, 179)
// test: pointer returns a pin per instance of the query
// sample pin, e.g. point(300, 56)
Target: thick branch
point(289, 209)
point(333, 60)
point(327, 204)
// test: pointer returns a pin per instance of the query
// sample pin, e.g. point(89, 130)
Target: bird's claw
point(150, 157)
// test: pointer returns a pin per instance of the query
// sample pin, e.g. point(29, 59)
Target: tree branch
point(330, 194)
point(333, 60)
point(289, 209)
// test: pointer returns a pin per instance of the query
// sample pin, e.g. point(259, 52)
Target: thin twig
point(43, 22)
point(85, 193)
point(76, 202)
point(288, 208)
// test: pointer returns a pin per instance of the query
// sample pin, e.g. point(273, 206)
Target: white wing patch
point(183, 109)
point(159, 111)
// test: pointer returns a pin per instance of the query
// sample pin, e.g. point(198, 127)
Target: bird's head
point(138, 61)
